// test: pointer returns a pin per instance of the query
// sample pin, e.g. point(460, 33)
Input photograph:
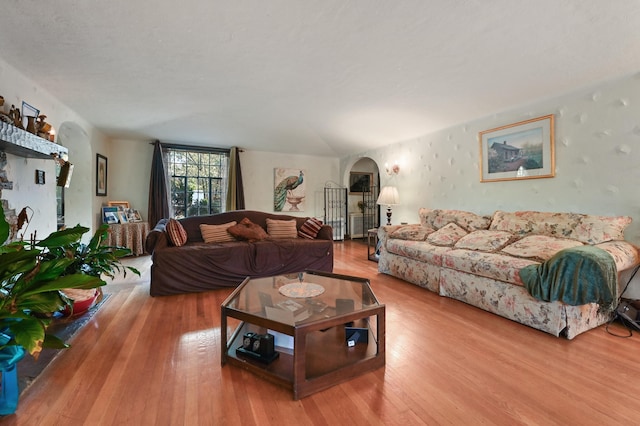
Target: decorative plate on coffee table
point(301, 290)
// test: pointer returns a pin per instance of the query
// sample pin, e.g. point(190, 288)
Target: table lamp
point(388, 197)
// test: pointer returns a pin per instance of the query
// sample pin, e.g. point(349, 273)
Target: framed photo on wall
point(523, 150)
point(289, 191)
point(360, 182)
point(101, 175)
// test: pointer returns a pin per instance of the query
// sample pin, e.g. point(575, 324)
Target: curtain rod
point(193, 147)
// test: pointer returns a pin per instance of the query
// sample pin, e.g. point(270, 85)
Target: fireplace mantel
point(24, 144)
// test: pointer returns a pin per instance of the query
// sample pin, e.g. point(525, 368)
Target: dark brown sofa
point(198, 266)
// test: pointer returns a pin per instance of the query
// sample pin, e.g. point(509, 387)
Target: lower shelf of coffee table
point(328, 359)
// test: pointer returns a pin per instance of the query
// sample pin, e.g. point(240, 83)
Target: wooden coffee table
point(315, 349)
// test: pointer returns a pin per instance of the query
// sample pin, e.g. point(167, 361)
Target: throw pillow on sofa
point(415, 232)
point(279, 229)
point(217, 233)
point(176, 233)
point(310, 228)
point(447, 235)
point(484, 240)
point(247, 230)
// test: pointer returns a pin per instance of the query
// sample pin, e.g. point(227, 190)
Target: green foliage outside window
point(198, 181)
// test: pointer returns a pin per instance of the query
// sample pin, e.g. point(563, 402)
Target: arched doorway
point(363, 187)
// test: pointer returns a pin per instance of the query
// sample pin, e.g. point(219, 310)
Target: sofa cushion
point(539, 247)
point(624, 254)
point(413, 232)
point(447, 235)
point(217, 233)
point(176, 233)
point(418, 250)
point(436, 219)
point(497, 266)
point(282, 228)
point(484, 240)
point(310, 228)
point(589, 229)
point(247, 230)
point(600, 229)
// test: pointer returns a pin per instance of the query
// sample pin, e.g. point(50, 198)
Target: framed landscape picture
point(523, 150)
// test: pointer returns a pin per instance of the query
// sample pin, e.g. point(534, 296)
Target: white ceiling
point(325, 77)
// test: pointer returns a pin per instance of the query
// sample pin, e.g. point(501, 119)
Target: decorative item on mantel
point(14, 113)
point(30, 113)
point(44, 129)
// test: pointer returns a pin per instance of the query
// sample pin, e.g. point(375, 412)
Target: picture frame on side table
point(523, 150)
point(110, 215)
point(101, 175)
point(134, 215)
point(122, 215)
point(122, 204)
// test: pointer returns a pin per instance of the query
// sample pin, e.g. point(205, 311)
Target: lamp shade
point(388, 196)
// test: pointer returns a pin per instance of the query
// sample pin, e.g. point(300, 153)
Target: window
point(198, 180)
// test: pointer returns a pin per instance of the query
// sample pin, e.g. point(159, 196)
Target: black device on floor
point(355, 335)
point(629, 315)
point(258, 346)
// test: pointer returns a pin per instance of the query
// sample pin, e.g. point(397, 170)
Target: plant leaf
point(28, 332)
point(83, 281)
point(43, 303)
point(54, 342)
point(4, 226)
point(64, 237)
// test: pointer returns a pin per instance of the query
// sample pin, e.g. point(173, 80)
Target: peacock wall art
point(289, 192)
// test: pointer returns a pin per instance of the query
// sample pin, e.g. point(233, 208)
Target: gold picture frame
point(122, 204)
point(522, 150)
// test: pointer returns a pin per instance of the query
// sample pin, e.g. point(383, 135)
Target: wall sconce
point(64, 179)
point(66, 170)
point(393, 170)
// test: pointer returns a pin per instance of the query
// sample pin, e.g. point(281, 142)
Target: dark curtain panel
point(158, 190)
point(235, 191)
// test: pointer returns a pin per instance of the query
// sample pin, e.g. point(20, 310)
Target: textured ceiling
point(327, 77)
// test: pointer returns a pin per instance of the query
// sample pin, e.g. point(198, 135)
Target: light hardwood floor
point(156, 361)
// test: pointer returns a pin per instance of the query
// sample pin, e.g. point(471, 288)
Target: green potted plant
point(33, 276)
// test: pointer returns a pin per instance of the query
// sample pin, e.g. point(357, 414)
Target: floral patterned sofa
point(478, 259)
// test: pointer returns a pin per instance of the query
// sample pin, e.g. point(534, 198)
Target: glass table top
point(303, 297)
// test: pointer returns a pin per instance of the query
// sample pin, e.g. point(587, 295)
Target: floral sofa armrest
point(383, 235)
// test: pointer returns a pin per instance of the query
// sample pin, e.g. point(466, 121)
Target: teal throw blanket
point(574, 276)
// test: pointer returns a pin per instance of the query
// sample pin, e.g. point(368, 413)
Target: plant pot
point(83, 300)
point(9, 390)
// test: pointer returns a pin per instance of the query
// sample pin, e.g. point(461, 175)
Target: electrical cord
point(623, 320)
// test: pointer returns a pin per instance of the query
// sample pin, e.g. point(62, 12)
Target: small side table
point(372, 244)
point(130, 235)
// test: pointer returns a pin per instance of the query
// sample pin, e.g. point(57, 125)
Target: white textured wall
point(15, 88)
point(257, 176)
point(130, 167)
point(597, 138)
point(129, 170)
